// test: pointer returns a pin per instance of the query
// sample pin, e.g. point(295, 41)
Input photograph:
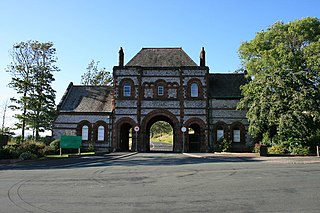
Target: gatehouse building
point(157, 84)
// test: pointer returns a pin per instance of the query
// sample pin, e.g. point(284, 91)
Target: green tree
point(283, 96)
point(31, 69)
point(42, 98)
point(96, 76)
point(161, 127)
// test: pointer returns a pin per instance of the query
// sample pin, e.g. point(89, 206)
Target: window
point(220, 134)
point(160, 90)
point(236, 136)
point(100, 133)
point(194, 90)
point(85, 133)
point(126, 90)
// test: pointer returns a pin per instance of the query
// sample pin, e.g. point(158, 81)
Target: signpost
point(183, 130)
point(136, 129)
point(70, 142)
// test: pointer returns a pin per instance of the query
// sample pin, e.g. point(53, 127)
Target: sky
point(82, 30)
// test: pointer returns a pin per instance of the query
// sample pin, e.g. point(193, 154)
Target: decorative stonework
point(172, 93)
point(148, 93)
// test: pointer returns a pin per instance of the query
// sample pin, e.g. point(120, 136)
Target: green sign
point(70, 142)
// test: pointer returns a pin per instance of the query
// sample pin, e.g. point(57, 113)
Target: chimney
point(202, 58)
point(121, 57)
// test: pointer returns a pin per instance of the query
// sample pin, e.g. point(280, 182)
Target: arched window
point(194, 90)
point(85, 133)
point(126, 89)
point(220, 134)
point(100, 133)
point(160, 90)
point(236, 135)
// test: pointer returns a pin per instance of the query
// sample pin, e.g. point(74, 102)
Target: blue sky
point(82, 30)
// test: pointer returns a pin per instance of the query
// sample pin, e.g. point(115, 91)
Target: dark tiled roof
point(87, 99)
point(161, 57)
point(226, 85)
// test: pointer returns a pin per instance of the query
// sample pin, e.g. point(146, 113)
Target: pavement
point(101, 158)
point(227, 156)
point(162, 182)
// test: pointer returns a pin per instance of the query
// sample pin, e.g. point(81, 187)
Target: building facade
point(158, 84)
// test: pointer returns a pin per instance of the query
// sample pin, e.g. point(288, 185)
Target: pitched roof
point(226, 85)
point(86, 99)
point(161, 57)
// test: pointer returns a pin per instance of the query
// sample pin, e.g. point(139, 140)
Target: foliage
point(55, 145)
point(27, 156)
point(161, 127)
point(256, 148)
point(225, 145)
point(283, 94)
point(31, 68)
point(278, 149)
point(95, 76)
point(90, 147)
point(5, 154)
point(294, 149)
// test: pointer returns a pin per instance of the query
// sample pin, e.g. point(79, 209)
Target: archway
point(122, 135)
point(165, 116)
point(194, 138)
point(161, 136)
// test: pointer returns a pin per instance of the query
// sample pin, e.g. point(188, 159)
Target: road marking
point(192, 155)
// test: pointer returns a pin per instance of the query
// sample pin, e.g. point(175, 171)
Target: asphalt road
point(161, 146)
point(159, 182)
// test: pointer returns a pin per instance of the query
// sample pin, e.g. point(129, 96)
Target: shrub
point(256, 148)
point(33, 147)
point(278, 149)
point(47, 150)
point(5, 154)
point(27, 156)
point(55, 145)
point(13, 150)
point(225, 145)
point(299, 150)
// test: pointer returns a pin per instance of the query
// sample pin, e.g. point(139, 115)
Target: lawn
point(167, 138)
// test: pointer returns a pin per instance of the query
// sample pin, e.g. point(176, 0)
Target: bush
point(256, 148)
point(5, 154)
point(27, 156)
point(299, 150)
point(55, 145)
point(48, 150)
point(278, 149)
point(225, 145)
point(12, 150)
point(33, 147)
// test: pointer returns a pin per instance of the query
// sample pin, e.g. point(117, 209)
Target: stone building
point(157, 84)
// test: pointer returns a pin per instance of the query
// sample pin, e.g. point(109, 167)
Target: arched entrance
point(197, 134)
point(161, 135)
point(160, 115)
point(125, 137)
point(194, 138)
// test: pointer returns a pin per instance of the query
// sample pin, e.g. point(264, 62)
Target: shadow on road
point(122, 159)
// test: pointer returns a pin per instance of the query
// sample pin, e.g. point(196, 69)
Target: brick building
point(157, 84)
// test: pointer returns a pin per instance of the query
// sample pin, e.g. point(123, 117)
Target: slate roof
point(161, 57)
point(224, 86)
point(86, 99)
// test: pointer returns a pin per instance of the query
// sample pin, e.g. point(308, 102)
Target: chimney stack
point(202, 58)
point(121, 57)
